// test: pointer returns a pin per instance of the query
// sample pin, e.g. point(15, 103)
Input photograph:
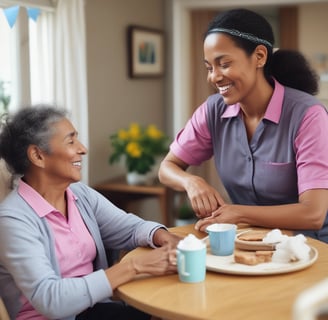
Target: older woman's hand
point(158, 261)
point(163, 237)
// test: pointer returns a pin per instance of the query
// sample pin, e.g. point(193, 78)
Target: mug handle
point(182, 264)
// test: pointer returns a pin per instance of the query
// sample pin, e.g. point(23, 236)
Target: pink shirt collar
point(37, 202)
point(274, 108)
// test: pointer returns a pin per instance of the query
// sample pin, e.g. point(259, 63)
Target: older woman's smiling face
point(230, 70)
point(64, 162)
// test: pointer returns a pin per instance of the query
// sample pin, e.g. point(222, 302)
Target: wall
point(313, 38)
point(114, 99)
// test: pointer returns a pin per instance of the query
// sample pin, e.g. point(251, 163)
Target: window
point(20, 56)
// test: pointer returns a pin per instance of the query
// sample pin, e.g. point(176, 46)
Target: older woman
point(54, 229)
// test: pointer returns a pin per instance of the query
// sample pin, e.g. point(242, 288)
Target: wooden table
point(223, 296)
point(121, 194)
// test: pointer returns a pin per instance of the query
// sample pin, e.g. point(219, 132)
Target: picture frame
point(145, 52)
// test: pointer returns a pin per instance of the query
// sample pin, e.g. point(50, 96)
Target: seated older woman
point(54, 230)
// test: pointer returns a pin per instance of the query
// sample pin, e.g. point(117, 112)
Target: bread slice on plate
point(252, 258)
point(252, 235)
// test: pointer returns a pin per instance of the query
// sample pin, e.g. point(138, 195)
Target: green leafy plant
point(185, 211)
point(138, 146)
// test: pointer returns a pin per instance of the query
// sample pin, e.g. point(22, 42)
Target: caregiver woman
point(265, 129)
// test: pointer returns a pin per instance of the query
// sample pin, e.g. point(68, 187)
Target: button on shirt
point(75, 248)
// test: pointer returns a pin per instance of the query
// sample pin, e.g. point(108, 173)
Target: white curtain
point(70, 61)
point(42, 37)
point(60, 65)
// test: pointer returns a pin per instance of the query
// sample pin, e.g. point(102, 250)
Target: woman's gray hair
point(32, 125)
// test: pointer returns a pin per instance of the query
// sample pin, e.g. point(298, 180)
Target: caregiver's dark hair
point(31, 125)
point(248, 30)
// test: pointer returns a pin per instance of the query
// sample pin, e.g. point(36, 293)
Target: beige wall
point(313, 28)
point(114, 99)
point(313, 37)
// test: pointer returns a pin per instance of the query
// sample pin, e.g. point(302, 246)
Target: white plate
point(229, 266)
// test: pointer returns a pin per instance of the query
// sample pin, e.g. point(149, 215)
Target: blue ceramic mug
point(222, 238)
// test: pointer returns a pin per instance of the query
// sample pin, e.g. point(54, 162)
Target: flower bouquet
point(138, 146)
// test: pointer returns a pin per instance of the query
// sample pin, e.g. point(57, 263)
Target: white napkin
point(288, 248)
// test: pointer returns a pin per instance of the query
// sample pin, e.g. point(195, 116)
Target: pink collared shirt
point(74, 246)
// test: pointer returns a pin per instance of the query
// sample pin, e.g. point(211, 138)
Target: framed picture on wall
point(145, 52)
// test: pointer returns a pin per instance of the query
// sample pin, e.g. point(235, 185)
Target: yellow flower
point(139, 145)
point(123, 134)
point(135, 131)
point(153, 132)
point(134, 149)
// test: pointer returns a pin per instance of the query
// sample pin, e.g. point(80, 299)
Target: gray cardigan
point(28, 261)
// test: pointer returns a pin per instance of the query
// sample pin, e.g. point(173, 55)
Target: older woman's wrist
point(160, 237)
point(165, 237)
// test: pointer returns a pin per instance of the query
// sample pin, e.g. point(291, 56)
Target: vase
point(135, 178)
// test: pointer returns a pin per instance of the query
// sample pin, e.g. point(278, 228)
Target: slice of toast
point(252, 236)
point(252, 258)
point(253, 241)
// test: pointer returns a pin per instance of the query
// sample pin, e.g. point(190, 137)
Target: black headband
point(244, 35)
